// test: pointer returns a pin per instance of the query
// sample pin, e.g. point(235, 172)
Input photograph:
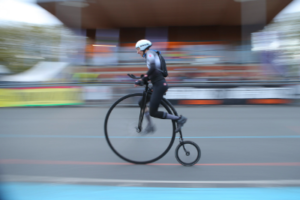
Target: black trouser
point(159, 89)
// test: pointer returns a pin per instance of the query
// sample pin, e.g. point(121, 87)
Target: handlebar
point(142, 75)
point(134, 77)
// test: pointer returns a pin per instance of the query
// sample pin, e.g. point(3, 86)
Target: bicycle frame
point(142, 112)
point(175, 113)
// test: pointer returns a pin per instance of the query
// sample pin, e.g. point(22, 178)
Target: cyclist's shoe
point(150, 128)
point(180, 122)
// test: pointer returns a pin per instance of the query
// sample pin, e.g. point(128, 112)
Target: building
point(176, 22)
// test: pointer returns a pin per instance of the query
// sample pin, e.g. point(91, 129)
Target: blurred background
point(200, 40)
point(203, 42)
point(78, 53)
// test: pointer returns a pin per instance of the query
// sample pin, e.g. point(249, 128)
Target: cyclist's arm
point(151, 66)
point(151, 69)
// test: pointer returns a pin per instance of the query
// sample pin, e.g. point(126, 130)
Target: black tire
point(108, 139)
point(194, 160)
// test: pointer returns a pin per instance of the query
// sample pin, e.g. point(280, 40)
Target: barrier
point(40, 96)
point(179, 94)
point(231, 95)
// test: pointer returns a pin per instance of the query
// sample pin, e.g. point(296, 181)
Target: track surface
point(239, 144)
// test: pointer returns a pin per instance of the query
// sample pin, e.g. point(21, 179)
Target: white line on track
point(65, 180)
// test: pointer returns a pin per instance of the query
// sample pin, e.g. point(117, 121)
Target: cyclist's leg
point(150, 127)
point(159, 90)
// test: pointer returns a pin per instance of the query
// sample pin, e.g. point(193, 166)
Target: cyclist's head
point(142, 46)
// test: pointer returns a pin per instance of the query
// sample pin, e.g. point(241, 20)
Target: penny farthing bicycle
point(123, 128)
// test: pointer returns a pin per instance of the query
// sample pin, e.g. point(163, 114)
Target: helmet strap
point(144, 53)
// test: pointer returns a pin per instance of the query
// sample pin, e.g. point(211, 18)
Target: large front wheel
point(127, 142)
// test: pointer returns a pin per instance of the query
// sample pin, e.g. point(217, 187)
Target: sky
point(27, 11)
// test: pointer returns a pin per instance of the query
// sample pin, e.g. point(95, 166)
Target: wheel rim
point(189, 157)
point(136, 148)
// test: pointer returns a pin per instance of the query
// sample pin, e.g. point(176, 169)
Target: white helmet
point(143, 44)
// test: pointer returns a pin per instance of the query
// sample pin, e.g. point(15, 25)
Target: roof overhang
point(93, 14)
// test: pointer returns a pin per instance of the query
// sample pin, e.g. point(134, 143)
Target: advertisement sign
point(230, 93)
point(233, 96)
point(97, 92)
point(40, 96)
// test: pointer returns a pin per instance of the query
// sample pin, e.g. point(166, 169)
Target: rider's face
point(140, 52)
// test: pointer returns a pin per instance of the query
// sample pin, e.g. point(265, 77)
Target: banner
point(231, 93)
point(40, 96)
point(97, 92)
point(232, 96)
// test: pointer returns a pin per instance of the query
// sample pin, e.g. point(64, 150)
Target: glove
point(139, 82)
point(145, 79)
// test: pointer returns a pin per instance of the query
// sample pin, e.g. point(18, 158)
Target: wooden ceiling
point(164, 13)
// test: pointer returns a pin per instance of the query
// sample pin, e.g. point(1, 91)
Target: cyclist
point(160, 86)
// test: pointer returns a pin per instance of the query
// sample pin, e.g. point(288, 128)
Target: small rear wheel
point(187, 153)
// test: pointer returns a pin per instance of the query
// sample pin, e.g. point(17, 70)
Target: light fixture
point(241, 1)
point(77, 4)
point(98, 45)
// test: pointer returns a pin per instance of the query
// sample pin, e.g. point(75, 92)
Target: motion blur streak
point(53, 162)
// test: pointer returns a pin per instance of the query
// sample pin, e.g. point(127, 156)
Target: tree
point(24, 45)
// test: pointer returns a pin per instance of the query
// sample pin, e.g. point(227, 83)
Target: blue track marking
point(141, 137)
point(30, 191)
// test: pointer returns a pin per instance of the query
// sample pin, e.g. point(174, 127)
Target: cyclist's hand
point(139, 82)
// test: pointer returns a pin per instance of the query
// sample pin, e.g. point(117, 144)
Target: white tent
point(13, 10)
point(43, 71)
